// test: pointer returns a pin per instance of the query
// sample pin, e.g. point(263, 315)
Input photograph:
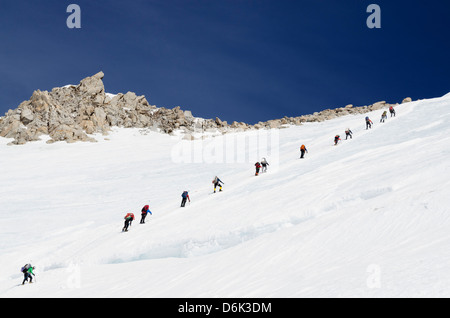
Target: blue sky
point(243, 60)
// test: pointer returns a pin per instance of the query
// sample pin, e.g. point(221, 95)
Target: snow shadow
point(188, 248)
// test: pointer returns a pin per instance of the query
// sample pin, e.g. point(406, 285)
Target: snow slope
point(366, 218)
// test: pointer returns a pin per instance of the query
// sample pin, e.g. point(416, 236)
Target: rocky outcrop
point(407, 100)
point(60, 113)
point(76, 112)
point(323, 115)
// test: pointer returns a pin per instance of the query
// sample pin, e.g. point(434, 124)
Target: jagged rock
point(88, 126)
point(218, 122)
point(68, 134)
point(378, 105)
point(12, 129)
point(26, 116)
point(69, 113)
point(99, 120)
point(93, 86)
point(274, 123)
point(407, 100)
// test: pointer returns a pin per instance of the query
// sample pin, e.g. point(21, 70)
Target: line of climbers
point(258, 166)
point(369, 123)
point(129, 217)
point(27, 269)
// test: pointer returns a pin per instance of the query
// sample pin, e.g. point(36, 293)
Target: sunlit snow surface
point(366, 218)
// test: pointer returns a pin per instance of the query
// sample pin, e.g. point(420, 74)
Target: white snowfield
point(367, 218)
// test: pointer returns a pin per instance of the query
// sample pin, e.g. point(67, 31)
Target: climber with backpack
point(27, 271)
point(392, 111)
point(257, 166)
point(145, 210)
point(264, 164)
point(383, 117)
point(302, 151)
point(348, 133)
point(217, 183)
point(336, 139)
point(128, 219)
point(368, 123)
point(185, 196)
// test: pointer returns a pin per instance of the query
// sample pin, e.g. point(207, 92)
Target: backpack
point(129, 216)
point(145, 209)
point(184, 195)
point(25, 268)
point(303, 147)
